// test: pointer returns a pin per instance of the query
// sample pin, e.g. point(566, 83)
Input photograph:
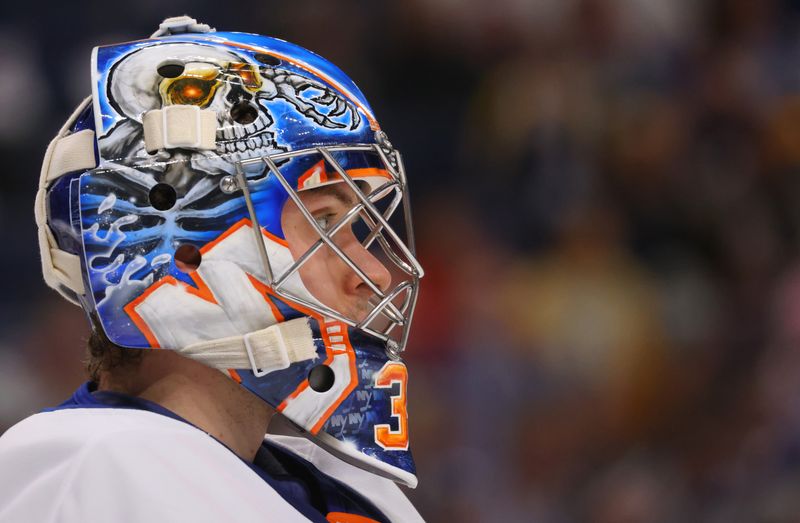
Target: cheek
point(297, 245)
point(324, 265)
point(322, 275)
point(316, 271)
point(296, 232)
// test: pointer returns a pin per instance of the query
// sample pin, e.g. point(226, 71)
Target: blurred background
point(606, 197)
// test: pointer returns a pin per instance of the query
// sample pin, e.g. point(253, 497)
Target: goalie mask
point(231, 197)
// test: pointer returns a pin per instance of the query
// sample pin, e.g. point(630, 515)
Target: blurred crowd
point(607, 203)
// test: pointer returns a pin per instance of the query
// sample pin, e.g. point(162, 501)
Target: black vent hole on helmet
point(321, 378)
point(244, 112)
point(163, 196)
point(267, 59)
point(187, 258)
point(170, 69)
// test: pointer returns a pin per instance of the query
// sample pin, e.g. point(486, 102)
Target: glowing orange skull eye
point(191, 91)
point(246, 75)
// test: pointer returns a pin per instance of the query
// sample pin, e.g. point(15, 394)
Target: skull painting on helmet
point(237, 87)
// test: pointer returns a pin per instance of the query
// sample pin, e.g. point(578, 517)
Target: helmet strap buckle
point(181, 24)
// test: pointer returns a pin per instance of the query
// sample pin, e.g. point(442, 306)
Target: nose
point(370, 265)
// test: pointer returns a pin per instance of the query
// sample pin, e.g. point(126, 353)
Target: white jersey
point(120, 465)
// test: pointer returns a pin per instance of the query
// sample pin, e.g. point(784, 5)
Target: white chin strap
point(264, 351)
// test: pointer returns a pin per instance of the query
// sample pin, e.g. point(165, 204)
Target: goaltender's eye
point(324, 221)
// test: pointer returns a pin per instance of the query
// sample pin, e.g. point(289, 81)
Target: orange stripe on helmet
point(351, 355)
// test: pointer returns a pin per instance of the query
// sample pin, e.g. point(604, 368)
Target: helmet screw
point(228, 184)
point(383, 140)
point(393, 350)
point(385, 145)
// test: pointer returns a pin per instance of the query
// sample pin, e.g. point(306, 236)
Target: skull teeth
point(237, 132)
point(241, 149)
point(239, 142)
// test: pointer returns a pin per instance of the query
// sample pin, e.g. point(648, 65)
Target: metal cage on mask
point(385, 307)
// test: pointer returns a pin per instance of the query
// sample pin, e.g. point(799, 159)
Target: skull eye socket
point(244, 113)
point(191, 91)
point(244, 74)
point(170, 70)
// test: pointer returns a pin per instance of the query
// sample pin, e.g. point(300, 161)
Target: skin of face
point(325, 274)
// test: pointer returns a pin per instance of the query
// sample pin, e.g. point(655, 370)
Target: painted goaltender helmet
point(159, 212)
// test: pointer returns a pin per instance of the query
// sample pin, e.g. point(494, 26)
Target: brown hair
point(102, 355)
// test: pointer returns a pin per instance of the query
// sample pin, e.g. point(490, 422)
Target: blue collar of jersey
point(87, 396)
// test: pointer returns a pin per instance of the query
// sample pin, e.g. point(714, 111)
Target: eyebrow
point(337, 192)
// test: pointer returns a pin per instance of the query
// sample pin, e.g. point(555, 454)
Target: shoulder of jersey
point(99, 464)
